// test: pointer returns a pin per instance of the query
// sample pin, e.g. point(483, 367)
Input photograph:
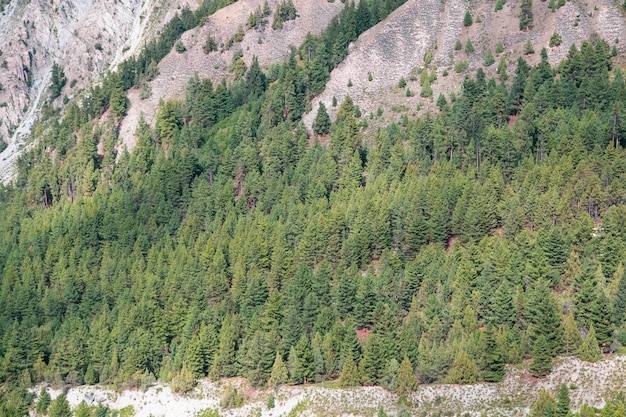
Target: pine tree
point(279, 372)
point(542, 358)
point(493, 361)
point(563, 402)
point(321, 125)
point(619, 303)
point(458, 45)
point(469, 47)
point(349, 376)
point(463, 371)
point(489, 59)
point(406, 382)
point(43, 402)
point(59, 407)
point(572, 340)
point(467, 19)
point(590, 351)
point(426, 90)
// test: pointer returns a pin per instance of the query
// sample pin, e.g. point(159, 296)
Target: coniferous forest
point(231, 242)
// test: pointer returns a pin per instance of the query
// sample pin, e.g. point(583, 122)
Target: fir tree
point(493, 361)
point(489, 59)
point(542, 358)
point(321, 125)
point(406, 382)
point(590, 351)
point(59, 407)
point(463, 371)
point(469, 47)
point(279, 372)
point(467, 19)
point(572, 340)
point(349, 376)
point(563, 402)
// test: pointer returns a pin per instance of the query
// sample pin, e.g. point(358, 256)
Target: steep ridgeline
point(270, 45)
point(83, 38)
point(431, 35)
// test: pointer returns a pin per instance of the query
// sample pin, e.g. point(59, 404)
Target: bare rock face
point(397, 47)
point(84, 37)
point(269, 45)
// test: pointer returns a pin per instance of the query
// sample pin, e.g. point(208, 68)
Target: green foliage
point(279, 372)
point(489, 59)
point(467, 19)
point(209, 45)
point(406, 382)
point(401, 82)
point(43, 402)
point(526, 15)
point(349, 376)
point(285, 11)
point(589, 350)
point(59, 407)
point(499, 48)
point(57, 81)
point(463, 371)
point(542, 360)
point(458, 45)
point(499, 5)
point(469, 47)
point(228, 235)
point(426, 90)
point(232, 398)
point(555, 40)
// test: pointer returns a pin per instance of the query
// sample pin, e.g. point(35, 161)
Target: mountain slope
point(269, 45)
point(84, 38)
point(396, 48)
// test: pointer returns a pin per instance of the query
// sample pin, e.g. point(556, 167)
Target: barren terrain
point(396, 48)
point(589, 384)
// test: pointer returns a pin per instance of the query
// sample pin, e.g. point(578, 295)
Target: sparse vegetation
point(555, 40)
point(285, 10)
point(180, 47)
point(489, 59)
point(526, 15)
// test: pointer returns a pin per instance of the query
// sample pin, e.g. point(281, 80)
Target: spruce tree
point(321, 125)
point(469, 47)
point(542, 358)
point(43, 402)
point(406, 382)
point(590, 351)
point(563, 402)
point(489, 59)
point(279, 372)
point(59, 407)
point(463, 371)
point(349, 376)
point(619, 303)
point(493, 361)
point(572, 340)
point(467, 19)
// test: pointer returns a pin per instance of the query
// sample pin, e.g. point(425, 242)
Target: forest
point(231, 242)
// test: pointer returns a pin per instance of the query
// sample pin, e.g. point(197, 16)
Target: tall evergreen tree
point(542, 358)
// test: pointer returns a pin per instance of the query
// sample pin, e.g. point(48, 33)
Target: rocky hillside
point(269, 45)
point(84, 38)
point(589, 384)
point(397, 47)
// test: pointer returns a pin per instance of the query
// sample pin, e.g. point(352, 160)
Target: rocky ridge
point(396, 48)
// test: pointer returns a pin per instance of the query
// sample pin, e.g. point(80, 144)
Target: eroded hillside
point(397, 48)
point(269, 45)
